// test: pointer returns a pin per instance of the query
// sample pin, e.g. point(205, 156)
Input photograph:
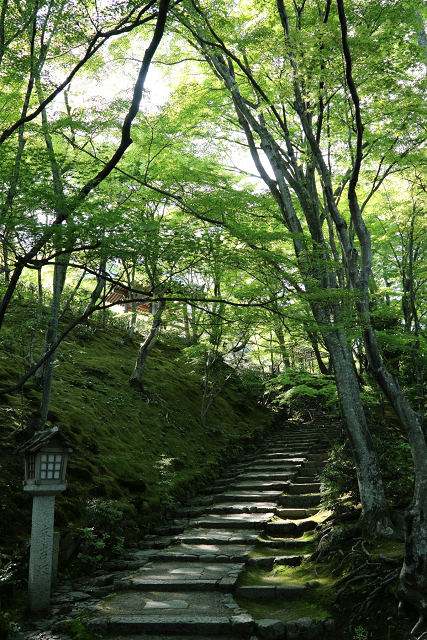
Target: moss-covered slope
point(142, 450)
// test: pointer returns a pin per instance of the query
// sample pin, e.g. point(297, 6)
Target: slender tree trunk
point(412, 322)
point(186, 322)
point(6, 269)
point(278, 330)
point(314, 343)
point(208, 395)
point(30, 356)
point(45, 377)
point(100, 283)
point(132, 322)
point(72, 295)
point(146, 348)
point(210, 390)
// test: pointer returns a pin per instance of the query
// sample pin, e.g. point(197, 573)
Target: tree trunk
point(72, 295)
point(132, 322)
point(6, 269)
point(100, 283)
point(372, 497)
point(146, 348)
point(30, 356)
point(45, 377)
point(186, 322)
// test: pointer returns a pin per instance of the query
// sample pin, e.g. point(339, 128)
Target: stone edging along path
point(183, 583)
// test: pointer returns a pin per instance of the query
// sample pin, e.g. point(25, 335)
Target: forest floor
point(137, 454)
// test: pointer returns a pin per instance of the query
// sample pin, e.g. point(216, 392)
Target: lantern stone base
point(41, 551)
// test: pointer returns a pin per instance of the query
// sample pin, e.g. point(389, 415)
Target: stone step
point(177, 556)
point(288, 449)
point(282, 543)
point(296, 489)
point(297, 444)
point(295, 514)
point(300, 438)
point(320, 457)
point(300, 501)
point(135, 625)
point(175, 576)
point(263, 476)
point(251, 496)
point(218, 537)
point(292, 442)
point(279, 528)
point(259, 485)
point(236, 521)
point(303, 479)
point(289, 461)
point(284, 455)
point(274, 468)
point(234, 553)
point(243, 507)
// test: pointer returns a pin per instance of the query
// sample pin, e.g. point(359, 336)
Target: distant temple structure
point(142, 302)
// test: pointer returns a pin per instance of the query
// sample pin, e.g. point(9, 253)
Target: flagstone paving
point(186, 585)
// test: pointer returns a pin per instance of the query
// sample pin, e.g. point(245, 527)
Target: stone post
point(55, 556)
point(41, 551)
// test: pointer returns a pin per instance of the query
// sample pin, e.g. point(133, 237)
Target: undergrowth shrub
point(103, 537)
point(167, 480)
point(103, 514)
point(84, 332)
point(298, 389)
point(339, 479)
point(252, 382)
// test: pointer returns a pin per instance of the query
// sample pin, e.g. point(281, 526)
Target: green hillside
point(138, 453)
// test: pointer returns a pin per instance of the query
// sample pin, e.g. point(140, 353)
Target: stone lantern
point(46, 456)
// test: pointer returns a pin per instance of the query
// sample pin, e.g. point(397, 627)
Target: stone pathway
point(182, 583)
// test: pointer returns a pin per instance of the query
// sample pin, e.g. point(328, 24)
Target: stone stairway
point(186, 588)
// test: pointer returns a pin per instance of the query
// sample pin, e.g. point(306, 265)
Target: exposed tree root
point(413, 596)
point(366, 576)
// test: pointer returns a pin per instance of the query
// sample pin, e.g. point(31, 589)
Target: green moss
point(300, 550)
point(389, 548)
point(286, 610)
point(285, 575)
point(120, 435)
point(317, 602)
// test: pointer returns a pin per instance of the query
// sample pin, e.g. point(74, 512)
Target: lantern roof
point(52, 436)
